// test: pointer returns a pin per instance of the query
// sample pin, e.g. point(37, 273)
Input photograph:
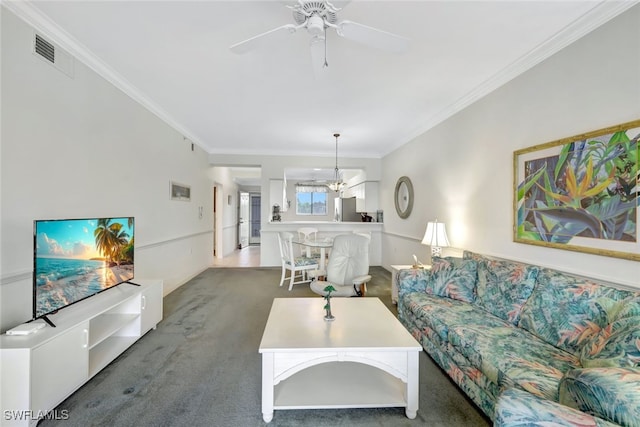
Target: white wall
point(227, 227)
point(462, 169)
point(78, 147)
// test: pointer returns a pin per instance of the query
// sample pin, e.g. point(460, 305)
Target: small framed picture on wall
point(180, 192)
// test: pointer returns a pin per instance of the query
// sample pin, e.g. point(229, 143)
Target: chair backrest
point(308, 233)
point(349, 258)
point(366, 234)
point(286, 246)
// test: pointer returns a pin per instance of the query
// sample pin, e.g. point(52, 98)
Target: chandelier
point(337, 183)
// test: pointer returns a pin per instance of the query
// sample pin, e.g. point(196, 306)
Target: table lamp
point(436, 237)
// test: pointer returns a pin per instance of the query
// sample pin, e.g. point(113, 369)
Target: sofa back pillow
point(453, 278)
point(567, 311)
point(504, 287)
point(618, 343)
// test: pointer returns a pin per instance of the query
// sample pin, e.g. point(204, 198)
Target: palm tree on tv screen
point(112, 241)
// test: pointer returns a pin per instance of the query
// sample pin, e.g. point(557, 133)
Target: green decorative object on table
point(328, 316)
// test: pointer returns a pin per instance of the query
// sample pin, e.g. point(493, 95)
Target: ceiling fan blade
point(373, 37)
point(263, 39)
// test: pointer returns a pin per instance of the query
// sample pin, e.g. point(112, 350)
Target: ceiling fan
point(316, 16)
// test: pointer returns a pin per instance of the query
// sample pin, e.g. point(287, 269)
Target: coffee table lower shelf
point(340, 385)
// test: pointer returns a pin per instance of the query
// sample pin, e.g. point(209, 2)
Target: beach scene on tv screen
point(78, 258)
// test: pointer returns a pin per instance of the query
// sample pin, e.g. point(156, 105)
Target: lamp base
point(436, 251)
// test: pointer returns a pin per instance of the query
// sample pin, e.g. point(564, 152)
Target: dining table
point(322, 243)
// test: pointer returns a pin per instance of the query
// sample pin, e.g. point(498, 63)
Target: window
point(311, 200)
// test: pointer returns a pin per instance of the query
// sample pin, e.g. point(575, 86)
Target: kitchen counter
point(323, 222)
point(270, 253)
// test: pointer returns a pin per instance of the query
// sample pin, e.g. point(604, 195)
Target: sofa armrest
point(412, 280)
point(609, 393)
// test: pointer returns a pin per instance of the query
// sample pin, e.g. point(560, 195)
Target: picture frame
point(581, 193)
point(180, 192)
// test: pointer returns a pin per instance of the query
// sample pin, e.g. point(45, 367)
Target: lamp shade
point(436, 235)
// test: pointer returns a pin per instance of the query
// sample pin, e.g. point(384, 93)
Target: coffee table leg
point(412, 384)
point(267, 387)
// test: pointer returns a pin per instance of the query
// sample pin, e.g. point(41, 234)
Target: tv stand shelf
point(107, 351)
point(105, 325)
point(39, 371)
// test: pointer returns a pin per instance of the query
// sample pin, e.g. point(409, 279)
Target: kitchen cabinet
point(366, 194)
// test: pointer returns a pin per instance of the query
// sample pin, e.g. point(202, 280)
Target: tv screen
point(77, 258)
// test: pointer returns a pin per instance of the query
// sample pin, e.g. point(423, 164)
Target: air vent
point(53, 54)
point(45, 49)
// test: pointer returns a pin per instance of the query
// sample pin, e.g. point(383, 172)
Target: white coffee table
point(363, 359)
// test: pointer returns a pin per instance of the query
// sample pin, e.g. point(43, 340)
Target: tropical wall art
point(581, 193)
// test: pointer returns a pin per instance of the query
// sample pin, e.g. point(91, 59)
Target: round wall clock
point(404, 197)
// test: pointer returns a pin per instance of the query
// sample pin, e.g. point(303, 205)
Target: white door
point(243, 221)
point(215, 224)
point(254, 237)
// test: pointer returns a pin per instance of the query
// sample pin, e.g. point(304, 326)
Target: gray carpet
point(201, 366)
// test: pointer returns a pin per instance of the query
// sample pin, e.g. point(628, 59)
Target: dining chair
point(297, 266)
point(366, 234)
point(348, 267)
point(308, 233)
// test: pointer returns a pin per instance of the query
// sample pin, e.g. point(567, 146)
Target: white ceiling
point(174, 57)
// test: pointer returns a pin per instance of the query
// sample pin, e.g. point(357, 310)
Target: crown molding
point(29, 13)
point(582, 26)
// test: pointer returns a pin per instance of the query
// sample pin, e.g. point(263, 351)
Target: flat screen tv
point(74, 259)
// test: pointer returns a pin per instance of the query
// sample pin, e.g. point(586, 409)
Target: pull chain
point(326, 64)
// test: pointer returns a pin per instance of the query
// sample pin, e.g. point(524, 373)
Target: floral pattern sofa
point(528, 345)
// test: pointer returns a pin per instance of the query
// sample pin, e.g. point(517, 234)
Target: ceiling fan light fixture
point(315, 26)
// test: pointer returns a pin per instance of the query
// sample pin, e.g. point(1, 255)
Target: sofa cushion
point(453, 278)
point(512, 357)
point(519, 408)
point(629, 307)
point(504, 286)
point(567, 311)
point(610, 393)
point(472, 372)
point(464, 376)
point(441, 313)
point(617, 344)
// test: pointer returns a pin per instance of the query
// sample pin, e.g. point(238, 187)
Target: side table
point(395, 269)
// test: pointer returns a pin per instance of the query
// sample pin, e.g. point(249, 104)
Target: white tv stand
point(40, 370)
